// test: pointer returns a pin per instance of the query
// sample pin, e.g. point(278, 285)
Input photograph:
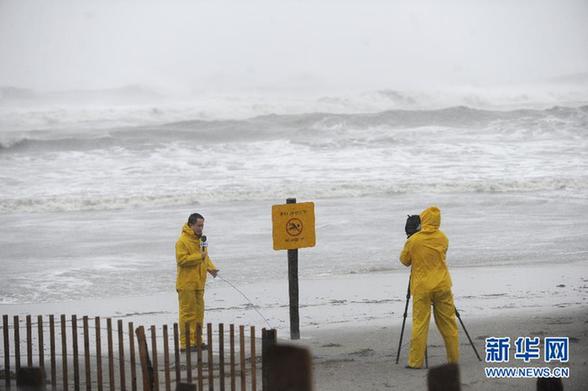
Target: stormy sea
point(94, 196)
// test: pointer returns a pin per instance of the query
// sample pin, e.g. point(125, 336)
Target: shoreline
point(337, 302)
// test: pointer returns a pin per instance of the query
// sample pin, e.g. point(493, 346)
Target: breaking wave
point(316, 155)
point(294, 127)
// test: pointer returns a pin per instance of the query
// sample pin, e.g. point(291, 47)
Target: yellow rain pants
point(430, 284)
point(444, 312)
point(191, 311)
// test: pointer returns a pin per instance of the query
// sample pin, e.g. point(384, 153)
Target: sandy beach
point(353, 333)
point(364, 358)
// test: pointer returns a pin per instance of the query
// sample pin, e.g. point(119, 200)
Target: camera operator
point(430, 284)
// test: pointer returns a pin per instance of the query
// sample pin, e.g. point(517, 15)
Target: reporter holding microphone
point(193, 265)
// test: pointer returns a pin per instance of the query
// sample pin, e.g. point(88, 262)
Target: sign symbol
point(294, 227)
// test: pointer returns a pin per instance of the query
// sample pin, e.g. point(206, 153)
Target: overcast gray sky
point(317, 46)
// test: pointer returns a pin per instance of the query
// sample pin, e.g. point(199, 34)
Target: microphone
point(203, 242)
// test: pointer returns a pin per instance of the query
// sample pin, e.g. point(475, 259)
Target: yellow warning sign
point(293, 226)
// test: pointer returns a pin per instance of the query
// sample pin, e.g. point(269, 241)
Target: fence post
point(253, 363)
point(110, 354)
point(132, 354)
point(188, 354)
point(30, 379)
point(146, 368)
point(177, 354)
point(221, 355)
point(6, 351)
point(242, 357)
point(16, 343)
point(268, 339)
point(199, 355)
point(64, 351)
point(41, 343)
point(210, 363)
point(87, 354)
point(232, 356)
point(293, 290)
point(444, 378)
point(52, 348)
point(121, 355)
point(166, 358)
point(290, 368)
point(29, 342)
point(97, 325)
point(154, 359)
point(76, 363)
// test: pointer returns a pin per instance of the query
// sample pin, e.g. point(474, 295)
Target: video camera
point(413, 225)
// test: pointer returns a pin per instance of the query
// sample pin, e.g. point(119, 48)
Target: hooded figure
point(430, 284)
point(193, 264)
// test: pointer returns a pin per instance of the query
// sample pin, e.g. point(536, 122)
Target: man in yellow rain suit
point(430, 284)
point(193, 264)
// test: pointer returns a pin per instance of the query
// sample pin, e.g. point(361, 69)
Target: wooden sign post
point(293, 228)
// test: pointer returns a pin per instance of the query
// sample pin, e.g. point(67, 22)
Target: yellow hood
point(188, 231)
point(426, 251)
point(430, 219)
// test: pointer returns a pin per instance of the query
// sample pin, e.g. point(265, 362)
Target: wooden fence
point(90, 354)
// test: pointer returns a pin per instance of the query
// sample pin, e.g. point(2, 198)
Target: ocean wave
point(297, 128)
point(305, 190)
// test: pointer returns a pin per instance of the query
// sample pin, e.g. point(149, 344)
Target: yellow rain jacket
point(430, 285)
point(190, 282)
point(429, 270)
point(191, 268)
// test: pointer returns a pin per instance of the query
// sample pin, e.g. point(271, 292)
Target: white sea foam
point(313, 155)
point(140, 105)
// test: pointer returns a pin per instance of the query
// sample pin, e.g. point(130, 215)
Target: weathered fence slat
point(206, 367)
point(242, 357)
point(268, 339)
point(41, 343)
point(76, 363)
point(177, 354)
point(146, 368)
point(290, 368)
point(64, 350)
point(210, 363)
point(6, 350)
point(99, 379)
point(29, 342)
point(188, 354)
point(121, 355)
point(52, 352)
point(166, 359)
point(221, 355)
point(110, 354)
point(253, 363)
point(87, 363)
point(132, 358)
point(16, 343)
point(232, 356)
point(199, 355)
point(154, 359)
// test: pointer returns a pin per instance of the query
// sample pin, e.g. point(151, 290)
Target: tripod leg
point(468, 335)
point(403, 322)
point(426, 358)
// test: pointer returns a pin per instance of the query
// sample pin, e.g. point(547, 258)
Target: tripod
point(404, 323)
